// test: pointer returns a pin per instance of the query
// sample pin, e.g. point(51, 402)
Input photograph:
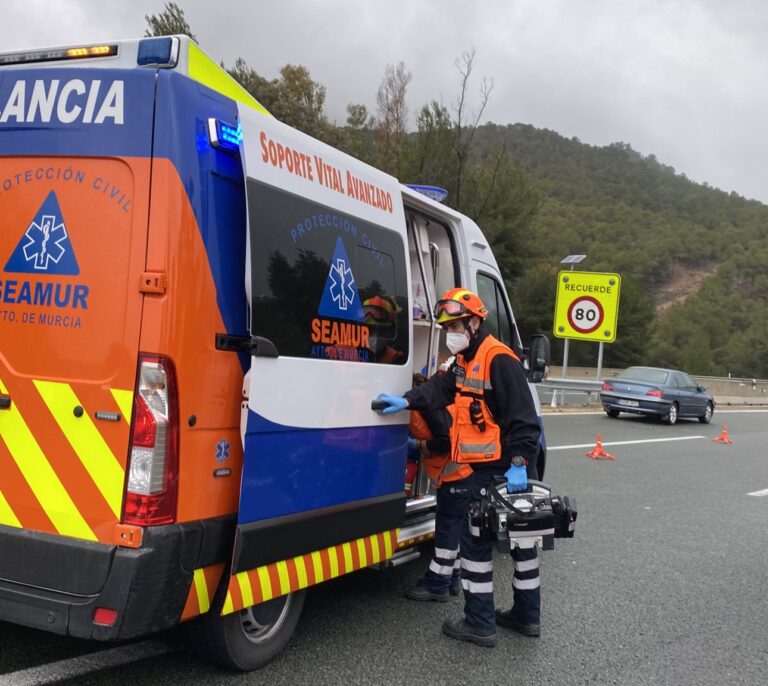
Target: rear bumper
point(651, 406)
point(56, 583)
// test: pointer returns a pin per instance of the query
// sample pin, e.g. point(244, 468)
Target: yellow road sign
point(587, 306)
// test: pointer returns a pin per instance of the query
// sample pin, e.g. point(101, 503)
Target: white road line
point(54, 672)
point(763, 492)
point(647, 440)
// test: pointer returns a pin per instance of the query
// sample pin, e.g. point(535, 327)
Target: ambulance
point(198, 307)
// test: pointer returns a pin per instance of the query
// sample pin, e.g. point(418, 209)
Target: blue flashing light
point(158, 52)
point(225, 136)
point(434, 192)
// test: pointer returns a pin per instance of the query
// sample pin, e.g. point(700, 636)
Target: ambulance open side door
point(330, 307)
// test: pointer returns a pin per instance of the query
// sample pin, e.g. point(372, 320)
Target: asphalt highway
point(664, 583)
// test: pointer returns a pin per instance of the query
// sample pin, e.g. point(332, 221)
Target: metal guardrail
point(570, 385)
point(749, 390)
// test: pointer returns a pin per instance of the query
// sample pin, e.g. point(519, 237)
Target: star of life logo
point(343, 289)
point(45, 246)
point(45, 242)
point(341, 299)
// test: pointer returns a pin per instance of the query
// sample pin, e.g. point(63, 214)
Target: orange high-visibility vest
point(471, 443)
point(439, 468)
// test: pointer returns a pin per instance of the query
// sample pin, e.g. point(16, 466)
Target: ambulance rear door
point(75, 153)
point(330, 315)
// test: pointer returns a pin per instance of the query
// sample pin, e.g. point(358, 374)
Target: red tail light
point(655, 393)
point(153, 463)
point(607, 387)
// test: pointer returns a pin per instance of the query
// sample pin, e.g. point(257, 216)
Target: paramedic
point(432, 430)
point(381, 319)
point(496, 432)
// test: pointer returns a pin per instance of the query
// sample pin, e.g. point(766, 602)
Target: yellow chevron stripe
point(40, 476)
point(7, 516)
point(203, 69)
point(301, 572)
point(124, 400)
point(375, 548)
point(347, 555)
point(317, 565)
point(268, 591)
point(282, 574)
point(202, 591)
point(334, 560)
point(362, 554)
point(85, 439)
point(266, 584)
point(228, 605)
point(245, 588)
point(388, 543)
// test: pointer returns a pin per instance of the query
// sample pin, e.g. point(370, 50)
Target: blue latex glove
point(395, 402)
point(413, 444)
point(517, 479)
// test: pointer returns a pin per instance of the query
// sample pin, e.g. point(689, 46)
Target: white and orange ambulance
point(194, 304)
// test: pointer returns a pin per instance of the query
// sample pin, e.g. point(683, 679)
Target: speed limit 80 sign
point(587, 306)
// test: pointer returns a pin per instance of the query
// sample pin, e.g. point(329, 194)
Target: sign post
point(587, 308)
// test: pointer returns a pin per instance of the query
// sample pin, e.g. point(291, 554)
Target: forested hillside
point(693, 259)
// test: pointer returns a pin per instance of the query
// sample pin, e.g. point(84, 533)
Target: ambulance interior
point(433, 272)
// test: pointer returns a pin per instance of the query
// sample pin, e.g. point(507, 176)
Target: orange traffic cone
point(723, 437)
point(597, 452)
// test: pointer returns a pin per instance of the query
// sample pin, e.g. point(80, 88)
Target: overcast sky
point(682, 79)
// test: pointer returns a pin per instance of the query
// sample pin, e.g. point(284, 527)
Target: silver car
point(665, 393)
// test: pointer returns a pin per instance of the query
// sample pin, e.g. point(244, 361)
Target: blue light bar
point(434, 192)
point(225, 136)
point(158, 52)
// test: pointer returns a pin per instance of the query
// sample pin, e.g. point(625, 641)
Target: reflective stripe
point(7, 515)
point(457, 564)
point(245, 588)
point(203, 69)
point(282, 575)
point(265, 583)
point(477, 587)
point(40, 476)
point(477, 384)
point(317, 566)
point(228, 606)
point(89, 445)
point(124, 400)
point(440, 569)
point(301, 572)
point(478, 447)
point(201, 588)
point(526, 584)
point(474, 530)
point(446, 554)
point(474, 566)
point(526, 565)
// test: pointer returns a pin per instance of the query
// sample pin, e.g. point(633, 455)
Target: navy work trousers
point(450, 515)
point(477, 569)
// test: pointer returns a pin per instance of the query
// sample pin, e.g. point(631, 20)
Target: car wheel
point(671, 417)
point(612, 413)
point(250, 638)
point(706, 418)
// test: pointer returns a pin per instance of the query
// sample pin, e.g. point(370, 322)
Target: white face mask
point(457, 342)
point(376, 343)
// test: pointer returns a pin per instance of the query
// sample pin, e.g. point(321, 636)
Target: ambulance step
point(403, 556)
point(424, 502)
point(416, 531)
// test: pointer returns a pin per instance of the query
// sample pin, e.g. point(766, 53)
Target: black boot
point(509, 620)
point(461, 631)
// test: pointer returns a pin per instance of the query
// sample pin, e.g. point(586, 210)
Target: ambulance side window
point(325, 284)
point(498, 323)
